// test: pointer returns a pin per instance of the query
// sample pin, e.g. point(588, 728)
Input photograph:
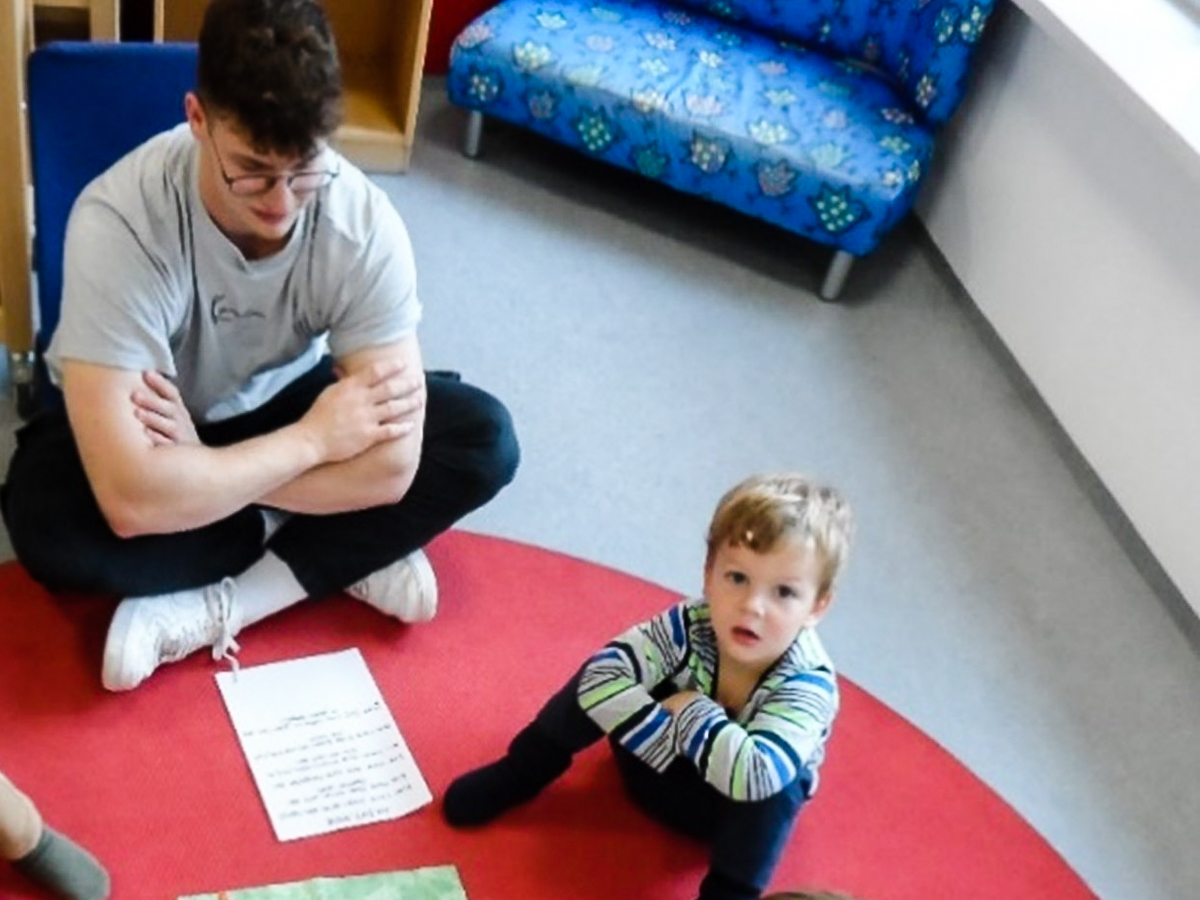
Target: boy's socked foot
point(149, 631)
point(531, 764)
point(487, 793)
point(406, 590)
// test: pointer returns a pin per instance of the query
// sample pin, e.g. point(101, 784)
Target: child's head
point(765, 511)
point(775, 546)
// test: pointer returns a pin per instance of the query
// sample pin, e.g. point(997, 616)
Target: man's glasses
point(299, 183)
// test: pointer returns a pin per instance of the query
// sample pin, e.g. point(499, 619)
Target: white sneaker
point(149, 631)
point(407, 589)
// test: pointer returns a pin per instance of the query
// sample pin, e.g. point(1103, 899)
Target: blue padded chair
point(89, 104)
point(816, 115)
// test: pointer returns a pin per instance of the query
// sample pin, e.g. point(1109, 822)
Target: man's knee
point(53, 560)
point(48, 511)
point(485, 451)
point(498, 465)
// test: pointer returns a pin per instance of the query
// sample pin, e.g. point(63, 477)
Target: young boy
point(42, 854)
point(718, 709)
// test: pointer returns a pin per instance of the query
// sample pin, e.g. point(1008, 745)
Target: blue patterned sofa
point(816, 115)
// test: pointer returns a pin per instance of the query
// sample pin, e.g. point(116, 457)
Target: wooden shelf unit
point(16, 43)
point(16, 39)
point(104, 16)
point(381, 44)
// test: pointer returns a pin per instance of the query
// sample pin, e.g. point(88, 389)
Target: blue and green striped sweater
point(777, 737)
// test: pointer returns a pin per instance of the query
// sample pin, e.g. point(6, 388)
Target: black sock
point(62, 866)
point(532, 762)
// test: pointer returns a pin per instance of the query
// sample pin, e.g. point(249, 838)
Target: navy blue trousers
point(59, 534)
point(746, 839)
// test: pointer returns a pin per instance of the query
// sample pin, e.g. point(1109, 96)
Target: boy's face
point(760, 602)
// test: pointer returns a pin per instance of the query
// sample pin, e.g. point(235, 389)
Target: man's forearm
point(187, 486)
point(151, 475)
point(381, 475)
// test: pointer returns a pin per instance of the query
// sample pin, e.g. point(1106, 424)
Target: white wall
point(1076, 231)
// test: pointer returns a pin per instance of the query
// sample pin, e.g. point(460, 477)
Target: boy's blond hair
point(765, 509)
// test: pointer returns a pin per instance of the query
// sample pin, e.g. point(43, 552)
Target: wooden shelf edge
point(386, 152)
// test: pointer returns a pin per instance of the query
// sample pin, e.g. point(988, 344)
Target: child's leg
point(678, 797)
point(537, 755)
point(20, 824)
point(749, 839)
point(42, 854)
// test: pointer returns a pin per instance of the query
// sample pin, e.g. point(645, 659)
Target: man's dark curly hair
point(273, 66)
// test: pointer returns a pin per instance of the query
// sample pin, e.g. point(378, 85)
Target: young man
point(247, 422)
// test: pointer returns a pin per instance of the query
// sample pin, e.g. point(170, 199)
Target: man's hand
point(380, 402)
point(676, 702)
point(158, 406)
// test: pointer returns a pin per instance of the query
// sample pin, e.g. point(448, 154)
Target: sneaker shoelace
point(220, 599)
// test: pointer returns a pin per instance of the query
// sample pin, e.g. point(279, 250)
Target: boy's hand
point(676, 702)
point(159, 407)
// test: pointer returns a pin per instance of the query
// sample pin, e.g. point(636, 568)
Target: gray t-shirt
point(149, 282)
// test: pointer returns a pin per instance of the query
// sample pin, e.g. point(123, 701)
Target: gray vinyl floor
point(655, 349)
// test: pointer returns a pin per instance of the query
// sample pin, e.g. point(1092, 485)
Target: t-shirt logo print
point(223, 310)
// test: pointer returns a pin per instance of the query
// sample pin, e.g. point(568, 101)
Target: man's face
point(246, 190)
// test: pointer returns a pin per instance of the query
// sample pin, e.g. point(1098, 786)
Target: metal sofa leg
point(474, 133)
point(835, 275)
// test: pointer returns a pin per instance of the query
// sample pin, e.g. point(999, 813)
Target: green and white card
point(430, 883)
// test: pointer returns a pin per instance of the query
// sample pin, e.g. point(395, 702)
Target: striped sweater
point(777, 736)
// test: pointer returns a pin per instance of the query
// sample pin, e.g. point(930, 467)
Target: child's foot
point(407, 589)
point(149, 631)
point(60, 865)
point(532, 762)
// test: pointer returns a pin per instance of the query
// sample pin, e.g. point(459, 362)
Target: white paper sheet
point(322, 745)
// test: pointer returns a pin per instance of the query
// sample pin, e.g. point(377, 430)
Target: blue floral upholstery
point(816, 115)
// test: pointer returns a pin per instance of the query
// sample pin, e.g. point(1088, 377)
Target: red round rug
point(155, 783)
